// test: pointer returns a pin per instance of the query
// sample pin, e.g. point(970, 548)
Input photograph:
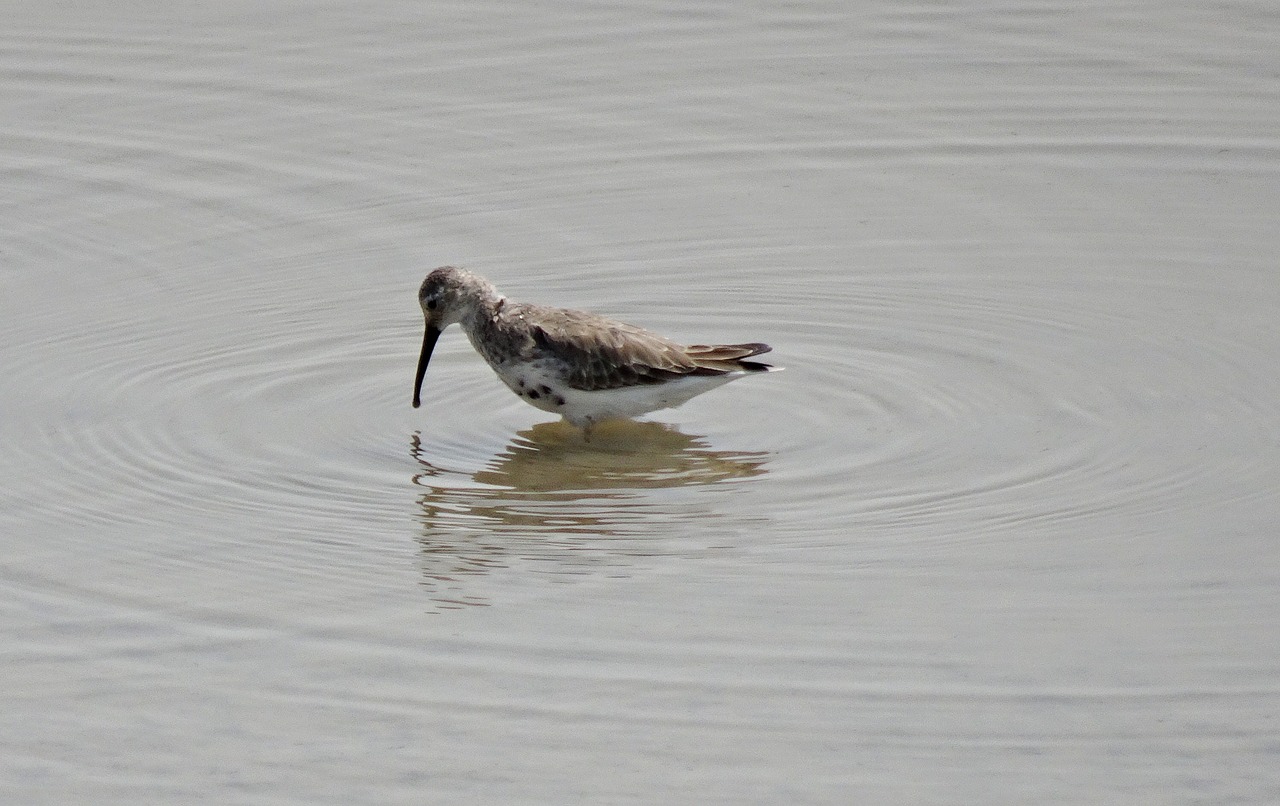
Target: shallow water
point(1003, 532)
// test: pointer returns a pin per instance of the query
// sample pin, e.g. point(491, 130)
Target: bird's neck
point(483, 311)
point(492, 328)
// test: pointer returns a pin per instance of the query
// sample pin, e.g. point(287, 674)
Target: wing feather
point(601, 353)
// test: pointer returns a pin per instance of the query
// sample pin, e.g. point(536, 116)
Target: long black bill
point(428, 344)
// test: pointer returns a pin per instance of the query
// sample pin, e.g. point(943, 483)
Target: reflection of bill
point(565, 505)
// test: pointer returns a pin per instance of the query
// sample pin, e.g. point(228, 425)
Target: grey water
point(1005, 531)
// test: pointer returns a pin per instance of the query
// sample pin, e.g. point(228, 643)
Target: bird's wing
point(600, 353)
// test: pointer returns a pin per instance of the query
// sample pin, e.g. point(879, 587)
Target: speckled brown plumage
point(574, 352)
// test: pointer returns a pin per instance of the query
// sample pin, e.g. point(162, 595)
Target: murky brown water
point(1003, 532)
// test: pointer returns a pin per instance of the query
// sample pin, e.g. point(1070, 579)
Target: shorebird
point(581, 366)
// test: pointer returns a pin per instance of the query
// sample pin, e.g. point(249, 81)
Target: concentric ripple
point(968, 408)
point(1001, 532)
point(224, 358)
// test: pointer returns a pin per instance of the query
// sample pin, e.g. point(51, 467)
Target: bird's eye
point(431, 304)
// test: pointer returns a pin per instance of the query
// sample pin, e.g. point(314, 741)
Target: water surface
point(1003, 532)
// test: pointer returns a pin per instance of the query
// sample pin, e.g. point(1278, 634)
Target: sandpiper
point(576, 364)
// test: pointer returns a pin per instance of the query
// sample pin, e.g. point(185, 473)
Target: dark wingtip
point(718, 359)
point(726, 352)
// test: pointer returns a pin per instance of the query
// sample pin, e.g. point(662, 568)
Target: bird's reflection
point(558, 504)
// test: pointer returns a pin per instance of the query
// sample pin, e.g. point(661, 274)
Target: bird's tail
point(719, 358)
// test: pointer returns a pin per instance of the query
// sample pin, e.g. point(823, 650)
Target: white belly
point(540, 388)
